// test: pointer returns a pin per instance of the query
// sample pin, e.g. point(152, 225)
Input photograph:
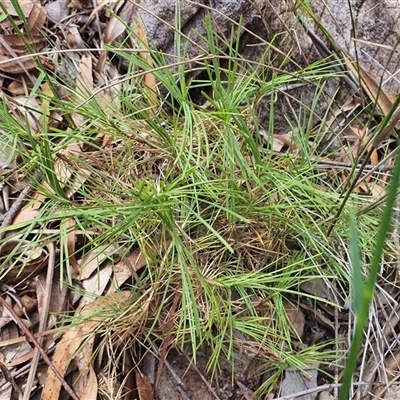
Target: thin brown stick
point(43, 319)
point(324, 388)
point(21, 339)
point(30, 338)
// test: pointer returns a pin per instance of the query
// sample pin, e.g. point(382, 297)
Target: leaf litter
point(89, 362)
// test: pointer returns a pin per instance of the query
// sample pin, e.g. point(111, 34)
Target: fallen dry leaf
point(12, 65)
point(325, 395)
point(6, 372)
point(99, 280)
point(90, 389)
point(374, 91)
point(37, 18)
point(71, 241)
point(26, 305)
point(144, 388)
point(115, 27)
point(83, 360)
point(19, 45)
point(296, 318)
point(27, 260)
point(26, 7)
point(31, 211)
point(84, 79)
point(17, 88)
point(74, 38)
point(76, 4)
point(149, 78)
point(92, 260)
point(27, 109)
point(73, 339)
point(127, 267)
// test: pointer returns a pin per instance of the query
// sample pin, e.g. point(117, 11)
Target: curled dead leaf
point(28, 109)
point(74, 38)
point(37, 18)
point(78, 4)
point(115, 28)
point(17, 88)
point(90, 389)
point(392, 363)
point(28, 303)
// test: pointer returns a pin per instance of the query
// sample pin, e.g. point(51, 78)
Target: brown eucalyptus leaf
point(92, 260)
point(374, 91)
point(37, 18)
point(71, 341)
point(74, 38)
point(149, 78)
point(28, 304)
point(325, 395)
point(84, 79)
point(17, 88)
point(28, 109)
point(144, 387)
point(71, 242)
point(125, 268)
point(91, 386)
point(76, 5)
point(26, 7)
point(98, 281)
point(14, 43)
point(28, 213)
point(297, 319)
point(12, 354)
point(11, 65)
point(114, 28)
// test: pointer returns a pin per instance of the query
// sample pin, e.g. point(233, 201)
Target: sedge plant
point(229, 228)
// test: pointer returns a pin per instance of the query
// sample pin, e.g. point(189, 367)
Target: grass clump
point(229, 229)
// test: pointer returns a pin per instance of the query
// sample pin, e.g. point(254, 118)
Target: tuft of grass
point(225, 223)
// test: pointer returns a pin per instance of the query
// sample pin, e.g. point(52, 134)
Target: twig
point(324, 388)
point(21, 339)
point(30, 338)
point(43, 319)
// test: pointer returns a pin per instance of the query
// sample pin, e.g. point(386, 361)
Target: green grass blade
point(368, 290)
